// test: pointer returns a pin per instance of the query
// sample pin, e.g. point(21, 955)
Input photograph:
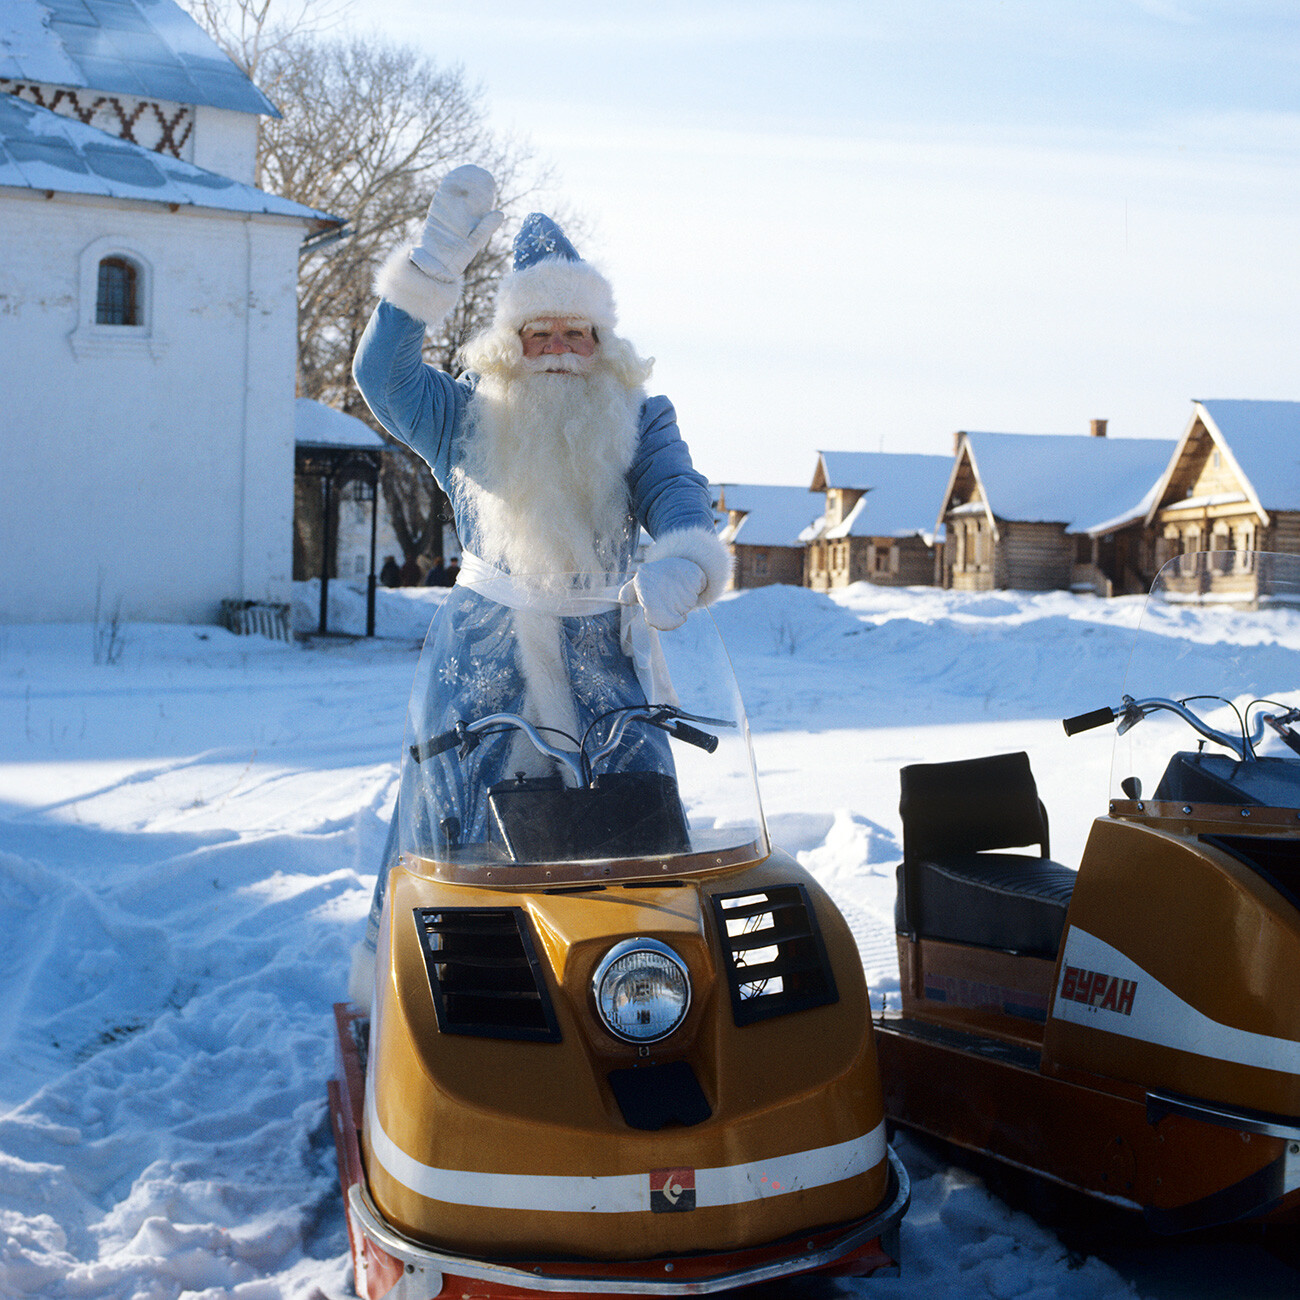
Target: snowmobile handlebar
point(704, 740)
point(1087, 721)
point(468, 736)
point(1130, 712)
point(668, 718)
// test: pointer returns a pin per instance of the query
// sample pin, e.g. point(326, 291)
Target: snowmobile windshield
point(557, 738)
point(1211, 705)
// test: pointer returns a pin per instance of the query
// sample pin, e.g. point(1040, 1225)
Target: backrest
point(969, 806)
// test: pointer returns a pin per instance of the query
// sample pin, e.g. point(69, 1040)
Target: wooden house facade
point(878, 522)
point(1038, 512)
point(762, 531)
point(1233, 484)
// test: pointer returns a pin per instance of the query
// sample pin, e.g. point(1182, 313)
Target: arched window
point(117, 298)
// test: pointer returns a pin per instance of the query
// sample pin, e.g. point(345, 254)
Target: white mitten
point(460, 223)
point(667, 589)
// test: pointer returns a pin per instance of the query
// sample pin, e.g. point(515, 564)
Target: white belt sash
point(639, 641)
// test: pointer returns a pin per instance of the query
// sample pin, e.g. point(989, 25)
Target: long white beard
point(544, 480)
point(544, 475)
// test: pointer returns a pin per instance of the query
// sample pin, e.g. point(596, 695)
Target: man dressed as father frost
point(553, 458)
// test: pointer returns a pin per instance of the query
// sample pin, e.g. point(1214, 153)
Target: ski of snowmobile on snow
point(1132, 1031)
point(617, 1043)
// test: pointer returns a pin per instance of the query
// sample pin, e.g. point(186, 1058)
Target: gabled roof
point(1263, 440)
point(773, 516)
point(41, 150)
point(859, 470)
point(317, 425)
point(1086, 483)
point(151, 49)
point(904, 491)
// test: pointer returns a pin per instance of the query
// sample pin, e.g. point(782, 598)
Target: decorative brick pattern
point(164, 128)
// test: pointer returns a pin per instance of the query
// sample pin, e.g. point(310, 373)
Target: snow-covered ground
point(188, 837)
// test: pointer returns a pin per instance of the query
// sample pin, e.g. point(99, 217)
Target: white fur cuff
point(703, 547)
point(419, 295)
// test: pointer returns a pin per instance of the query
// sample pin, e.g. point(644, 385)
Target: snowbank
point(188, 838)
point(400, 612)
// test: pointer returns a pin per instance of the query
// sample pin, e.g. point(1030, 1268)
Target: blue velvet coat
point(470, 667)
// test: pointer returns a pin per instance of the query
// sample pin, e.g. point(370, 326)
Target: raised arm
point(418, 287)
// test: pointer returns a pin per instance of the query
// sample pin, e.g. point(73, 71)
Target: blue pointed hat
point(549, 278)
point(539, 237)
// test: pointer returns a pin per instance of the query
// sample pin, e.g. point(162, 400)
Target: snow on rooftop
point(41, 150)
point(151, 49)
point(318, 425)
point(1076, 480)
point(867, 469)
point(904, 496)
point(1264, 439)
point(774, 516)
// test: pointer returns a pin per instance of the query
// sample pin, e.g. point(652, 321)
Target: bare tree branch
point(368, 129)
point(246, 31)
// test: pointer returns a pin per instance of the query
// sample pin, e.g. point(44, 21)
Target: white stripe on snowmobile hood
point(625, 1193)
point(1156, 1014)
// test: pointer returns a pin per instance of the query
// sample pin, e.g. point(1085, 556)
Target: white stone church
point(147, 321)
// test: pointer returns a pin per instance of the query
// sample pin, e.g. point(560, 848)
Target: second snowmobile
point(1131, 1030)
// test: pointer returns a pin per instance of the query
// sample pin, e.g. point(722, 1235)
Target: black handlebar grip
point(1086, 721)
point(693, 736)
point(436, 745)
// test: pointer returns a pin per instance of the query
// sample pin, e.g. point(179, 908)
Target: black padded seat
point(996, 900)
point(954, 883)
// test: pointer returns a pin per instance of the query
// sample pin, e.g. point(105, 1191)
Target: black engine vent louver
point(775, 959)
point(484, 973)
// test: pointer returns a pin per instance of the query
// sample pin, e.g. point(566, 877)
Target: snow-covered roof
point(1264, 440)
point(1131, 515)
point(318, 425)
point(41, 150)
point(846, 469)
point(774, 516)
point(151, 49)
point(1077, 480)
point(904, 491)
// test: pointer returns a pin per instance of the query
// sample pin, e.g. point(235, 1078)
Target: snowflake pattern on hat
point(539, 237)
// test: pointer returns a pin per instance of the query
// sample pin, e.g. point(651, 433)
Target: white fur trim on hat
point(555, 286)
point(419, 295)
point(703, 547)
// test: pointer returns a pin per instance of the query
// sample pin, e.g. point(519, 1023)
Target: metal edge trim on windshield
point(514, 875)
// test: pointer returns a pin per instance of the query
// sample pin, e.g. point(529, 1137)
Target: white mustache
point(567, 363)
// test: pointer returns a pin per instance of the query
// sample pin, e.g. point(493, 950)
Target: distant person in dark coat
point(390, 575)
point(409, 573)
point(437, 575)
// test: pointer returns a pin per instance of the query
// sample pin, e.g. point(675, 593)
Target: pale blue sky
point(867, 225)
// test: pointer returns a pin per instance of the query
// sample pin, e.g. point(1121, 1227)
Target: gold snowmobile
point(617, 1044)
point(1133, 1030)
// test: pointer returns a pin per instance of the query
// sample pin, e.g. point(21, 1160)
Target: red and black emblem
point(672, 1190)
point(1095, 988)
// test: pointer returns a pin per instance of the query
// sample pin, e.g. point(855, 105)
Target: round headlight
point(642, 990)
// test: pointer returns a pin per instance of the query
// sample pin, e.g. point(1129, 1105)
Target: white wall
point(156, 463)
point(224, 142)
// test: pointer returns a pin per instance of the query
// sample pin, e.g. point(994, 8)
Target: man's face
point(557, 336)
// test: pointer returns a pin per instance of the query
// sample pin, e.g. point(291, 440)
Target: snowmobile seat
point(955, 883)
